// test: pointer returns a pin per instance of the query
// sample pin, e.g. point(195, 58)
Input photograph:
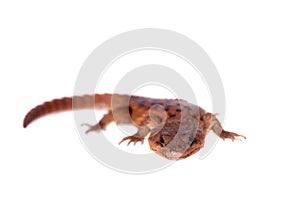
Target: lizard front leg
point(138, 137)
point(157, 117)
point(216, 127)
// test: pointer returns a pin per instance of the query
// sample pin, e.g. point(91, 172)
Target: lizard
point(176, 129)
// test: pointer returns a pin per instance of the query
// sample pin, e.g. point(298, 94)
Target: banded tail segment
point(97, 101)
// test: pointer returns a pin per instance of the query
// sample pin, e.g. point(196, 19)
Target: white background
point(255, 47)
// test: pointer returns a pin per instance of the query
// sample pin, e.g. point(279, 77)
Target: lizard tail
point(97, 101)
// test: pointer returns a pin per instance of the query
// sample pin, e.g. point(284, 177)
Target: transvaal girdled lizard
point(176, 128)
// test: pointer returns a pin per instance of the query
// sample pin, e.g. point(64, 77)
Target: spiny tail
point(96, 101)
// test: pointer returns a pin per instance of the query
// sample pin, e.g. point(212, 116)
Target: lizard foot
point(132, 138)
point(231, 135)
point(91, 128)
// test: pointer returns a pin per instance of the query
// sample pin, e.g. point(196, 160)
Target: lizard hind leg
point(101, 125)
point(137, 137)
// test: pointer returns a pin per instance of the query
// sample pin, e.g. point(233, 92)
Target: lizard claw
point(133, 139)
point(238, 137)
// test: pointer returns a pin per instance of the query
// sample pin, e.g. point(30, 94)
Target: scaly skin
point(176, 127)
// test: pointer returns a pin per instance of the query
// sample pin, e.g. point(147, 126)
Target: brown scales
point(176, 128)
